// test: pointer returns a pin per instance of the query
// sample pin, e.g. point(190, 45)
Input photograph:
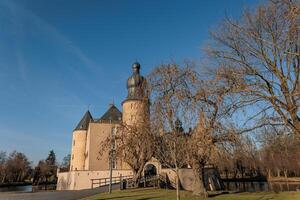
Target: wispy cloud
point(20, 15)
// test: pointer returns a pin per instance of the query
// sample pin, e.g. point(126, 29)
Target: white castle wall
point(79, 180)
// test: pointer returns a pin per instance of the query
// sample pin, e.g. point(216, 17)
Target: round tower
point(136, 105)
point(79, 141)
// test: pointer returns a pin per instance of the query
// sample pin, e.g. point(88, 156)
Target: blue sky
point(57, 57)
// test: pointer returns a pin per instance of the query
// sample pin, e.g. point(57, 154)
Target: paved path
point(55, 195)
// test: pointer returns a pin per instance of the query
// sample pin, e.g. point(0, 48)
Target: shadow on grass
point(118, 197)
point(217, 193)
point(134, 196)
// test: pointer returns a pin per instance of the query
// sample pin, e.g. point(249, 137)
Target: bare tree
point(202, 104)
point(17, 167)
point(133, 145)
point(260, 57)
point(279, 154)
point(2, 166)
point(170, 89)
point(212, 103)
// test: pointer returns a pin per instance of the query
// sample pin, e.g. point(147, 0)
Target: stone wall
point(186, 177)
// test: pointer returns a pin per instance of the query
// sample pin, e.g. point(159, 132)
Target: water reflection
point(261, 186)
point(24, 188)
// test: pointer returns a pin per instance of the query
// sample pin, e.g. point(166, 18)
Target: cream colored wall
point(78, 150)
point(135, 112)
point(96, 136)
point(79, 180)
point(87, 149)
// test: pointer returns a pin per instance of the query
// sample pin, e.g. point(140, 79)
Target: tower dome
point(136, 84)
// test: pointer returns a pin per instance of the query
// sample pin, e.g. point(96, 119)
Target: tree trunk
point(177, 184)
point(137, 176)
point(278, 172)
point(198, 185)
point(3, 179)
point(286, 179)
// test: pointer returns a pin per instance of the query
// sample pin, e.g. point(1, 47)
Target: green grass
point(161, 194)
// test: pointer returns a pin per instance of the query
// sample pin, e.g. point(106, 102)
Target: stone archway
point(150, 170)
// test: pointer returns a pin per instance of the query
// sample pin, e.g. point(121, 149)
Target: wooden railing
point(105, 181)
point(148, 181)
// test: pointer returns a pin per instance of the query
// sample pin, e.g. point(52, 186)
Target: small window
point(72, 156)
point(114, 164)
point(73, 142)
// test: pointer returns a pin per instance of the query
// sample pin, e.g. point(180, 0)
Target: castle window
point(72, 156)
point(73, 142)
point(114, 164)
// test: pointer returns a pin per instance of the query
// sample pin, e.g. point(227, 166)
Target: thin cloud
point(18, 14)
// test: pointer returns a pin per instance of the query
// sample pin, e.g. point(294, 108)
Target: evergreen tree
point(51, 159)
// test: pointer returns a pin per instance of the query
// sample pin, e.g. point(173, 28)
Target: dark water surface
point(23, 188)
point(261, 186)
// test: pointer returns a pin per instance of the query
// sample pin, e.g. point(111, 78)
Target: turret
point(79, 143)
point(136, 105)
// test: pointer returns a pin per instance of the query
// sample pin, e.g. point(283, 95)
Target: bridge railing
point(98, 182)
point(144, 181)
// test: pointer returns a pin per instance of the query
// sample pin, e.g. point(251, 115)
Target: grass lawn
point(161, 194)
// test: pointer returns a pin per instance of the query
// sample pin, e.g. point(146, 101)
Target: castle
point(90, 133)
point(87, 163)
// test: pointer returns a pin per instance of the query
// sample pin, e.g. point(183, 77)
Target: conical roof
point(112, 114)
point(84, 122)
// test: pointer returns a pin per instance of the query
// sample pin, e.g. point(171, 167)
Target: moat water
point(13, 188)
point(261, 186)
